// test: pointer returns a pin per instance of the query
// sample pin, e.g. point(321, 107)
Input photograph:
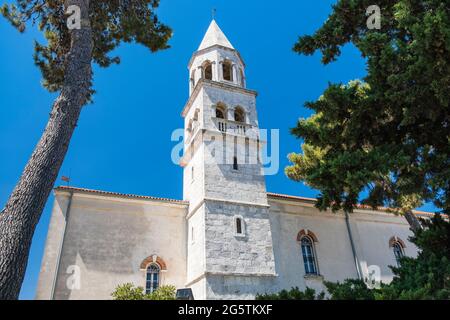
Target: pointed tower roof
point(214, 36)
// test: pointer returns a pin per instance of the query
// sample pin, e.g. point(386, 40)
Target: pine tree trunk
point(25, 205)
point(414, 223)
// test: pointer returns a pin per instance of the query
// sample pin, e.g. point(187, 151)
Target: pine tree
point(65, 61)
point(387, 136)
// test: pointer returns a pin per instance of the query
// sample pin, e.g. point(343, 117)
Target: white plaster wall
point(372, 232)
point(199, 289)
point(108, 238)
point(52, 247)
point(333, 250)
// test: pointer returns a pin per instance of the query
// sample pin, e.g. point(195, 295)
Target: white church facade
point(228, 238)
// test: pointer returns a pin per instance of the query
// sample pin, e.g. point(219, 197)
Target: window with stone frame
point(309, 256)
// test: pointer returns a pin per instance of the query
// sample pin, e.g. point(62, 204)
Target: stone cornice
point(216, 46)
point(216, 84)
point(115, 196)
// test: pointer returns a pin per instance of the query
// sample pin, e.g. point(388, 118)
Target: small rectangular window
point(235, 164)
point(238, 226)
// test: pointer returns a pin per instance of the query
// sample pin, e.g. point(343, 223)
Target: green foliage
point(129, 292)
point(390, 133)
point(293, 294)
point(112, 22)
point(428, 275)
point(163, 293)
point(350, 289)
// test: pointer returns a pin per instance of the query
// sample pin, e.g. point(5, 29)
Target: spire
point(214, 36)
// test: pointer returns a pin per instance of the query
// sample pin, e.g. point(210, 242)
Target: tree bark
point(414, 223)
point(24, 207)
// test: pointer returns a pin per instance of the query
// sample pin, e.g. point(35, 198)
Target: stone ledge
point(315, 277)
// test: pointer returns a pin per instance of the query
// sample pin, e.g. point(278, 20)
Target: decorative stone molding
point(307, 233)
point(153, 259)
point(394, 240)
point(316, 277)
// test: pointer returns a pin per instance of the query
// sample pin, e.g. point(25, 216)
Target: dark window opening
point(227, 71)
point(235, 163)
point(220, 114)
point(239, 115)
point(208, 72)
point(238, 226)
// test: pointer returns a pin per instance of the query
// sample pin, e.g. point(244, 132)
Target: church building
point(228, 238)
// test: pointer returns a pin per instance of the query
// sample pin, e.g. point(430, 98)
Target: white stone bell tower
point(230, 251)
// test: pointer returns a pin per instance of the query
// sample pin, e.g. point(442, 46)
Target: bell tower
point(230, 252)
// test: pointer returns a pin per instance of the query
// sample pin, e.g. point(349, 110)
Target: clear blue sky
point(122, 142)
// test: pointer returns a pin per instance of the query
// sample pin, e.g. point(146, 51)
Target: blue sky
point(122, 142)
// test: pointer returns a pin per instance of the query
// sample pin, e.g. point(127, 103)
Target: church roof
point(214, 36)
point(116, 194)
point(359, 206)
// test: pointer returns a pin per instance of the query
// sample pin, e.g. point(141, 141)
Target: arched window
point(309, 259)
point(221, 111)
point(398, 252)
point(227, 71)
point(398, 248)
point(207, 70)
point(239, 114)
point(152, 280)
